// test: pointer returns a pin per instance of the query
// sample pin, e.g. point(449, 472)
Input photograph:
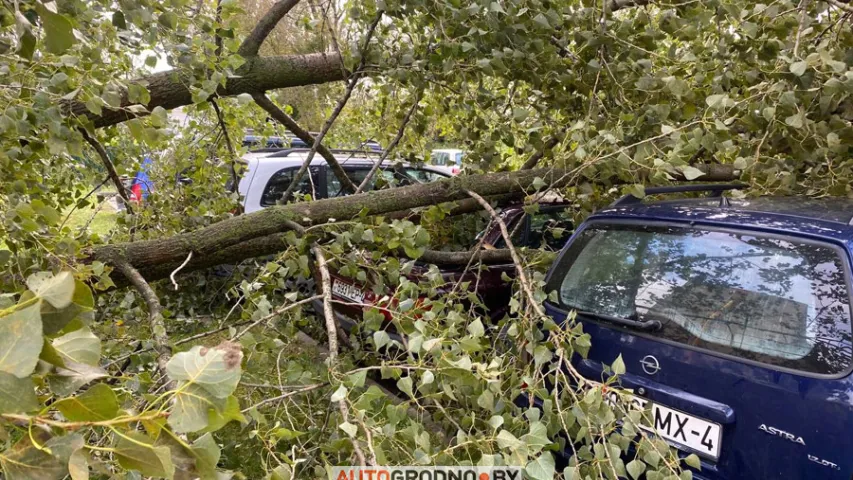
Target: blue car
point(733, 319)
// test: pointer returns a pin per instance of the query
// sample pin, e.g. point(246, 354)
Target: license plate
point(348, 291)
point(682, 430)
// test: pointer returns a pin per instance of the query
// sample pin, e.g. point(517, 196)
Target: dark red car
point(548, 228)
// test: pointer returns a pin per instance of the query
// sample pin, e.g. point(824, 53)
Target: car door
point(748, 365)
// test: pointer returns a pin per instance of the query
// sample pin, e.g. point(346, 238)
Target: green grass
point(104, 219)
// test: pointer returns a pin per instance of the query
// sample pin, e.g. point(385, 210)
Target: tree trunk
point(170, 89)
point(259, 233)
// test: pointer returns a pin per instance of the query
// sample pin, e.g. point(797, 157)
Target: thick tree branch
point(170, 89)
point(325, 287)
point(280, 116)
point(252, 43)
point(437, 257)
point(155, 313)
point(111, 169)
point(255, 234)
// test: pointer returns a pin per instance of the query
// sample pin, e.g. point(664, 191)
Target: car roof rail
point(713, 189)
point(284, 152)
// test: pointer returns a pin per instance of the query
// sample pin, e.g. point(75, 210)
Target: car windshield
point(771, 300)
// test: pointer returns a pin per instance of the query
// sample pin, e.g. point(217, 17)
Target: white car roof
point(297, 158)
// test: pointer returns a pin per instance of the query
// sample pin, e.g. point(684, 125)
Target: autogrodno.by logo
point(426, 473)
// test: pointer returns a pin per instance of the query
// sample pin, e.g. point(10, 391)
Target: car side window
point(278, 184)
point(356, 175)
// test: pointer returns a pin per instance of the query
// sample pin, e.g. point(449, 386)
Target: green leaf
point(406, 386)
point(26, 462)
point(55, 319)
point(798, 68)
point(206, 453)
point(231, 413)
point(21, 341)
point(691, 173)
point(340, 394)
point(476, 328)
point(285, 434)
point(693, 461)
point(349, 428)
point(381, 338)
point(542, 468)
point(80, 346)
point(17, 395)
point(67, 380)
point(57, 290)
point(59, 33)
point(168, 20)
point(217, 370)
point(508, 441)
point(795, 120)
point(618, 365)
point(191, 408)
point(136, 452)
point(542, 20)
point(281, 472)
point(718, 101)
point(78, 465)
point(635, 468)
point(98, 403)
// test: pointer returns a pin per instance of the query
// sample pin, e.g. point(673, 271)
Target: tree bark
point(170, 89)
point(254, 234)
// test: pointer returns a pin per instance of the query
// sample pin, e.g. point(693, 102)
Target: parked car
point(269, 172)
point(548, 228)
point(733, 320)
point(448, 159)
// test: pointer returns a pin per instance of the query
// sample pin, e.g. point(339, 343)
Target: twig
point(155, 313)
point(285, 396)
point(180, 267)
point(522, 277)
point(353, 80)
point(111, 169)
point(393, 144)
point(804, 5)
point(274, 314)
point(235, 180)
point(841, 5)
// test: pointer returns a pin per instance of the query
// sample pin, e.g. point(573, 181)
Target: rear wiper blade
point(645, 325)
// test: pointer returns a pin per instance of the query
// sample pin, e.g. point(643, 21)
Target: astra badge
point(782, 434)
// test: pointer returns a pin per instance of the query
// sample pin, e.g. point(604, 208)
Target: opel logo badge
point(650, 364)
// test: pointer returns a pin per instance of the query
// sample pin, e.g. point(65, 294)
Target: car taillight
point(454, 170)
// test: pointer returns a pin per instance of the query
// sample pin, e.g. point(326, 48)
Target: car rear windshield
point(771, 300)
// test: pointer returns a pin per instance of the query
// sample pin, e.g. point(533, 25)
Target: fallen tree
point(258, 233)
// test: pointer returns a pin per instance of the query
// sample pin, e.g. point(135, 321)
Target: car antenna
point(724, 201)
